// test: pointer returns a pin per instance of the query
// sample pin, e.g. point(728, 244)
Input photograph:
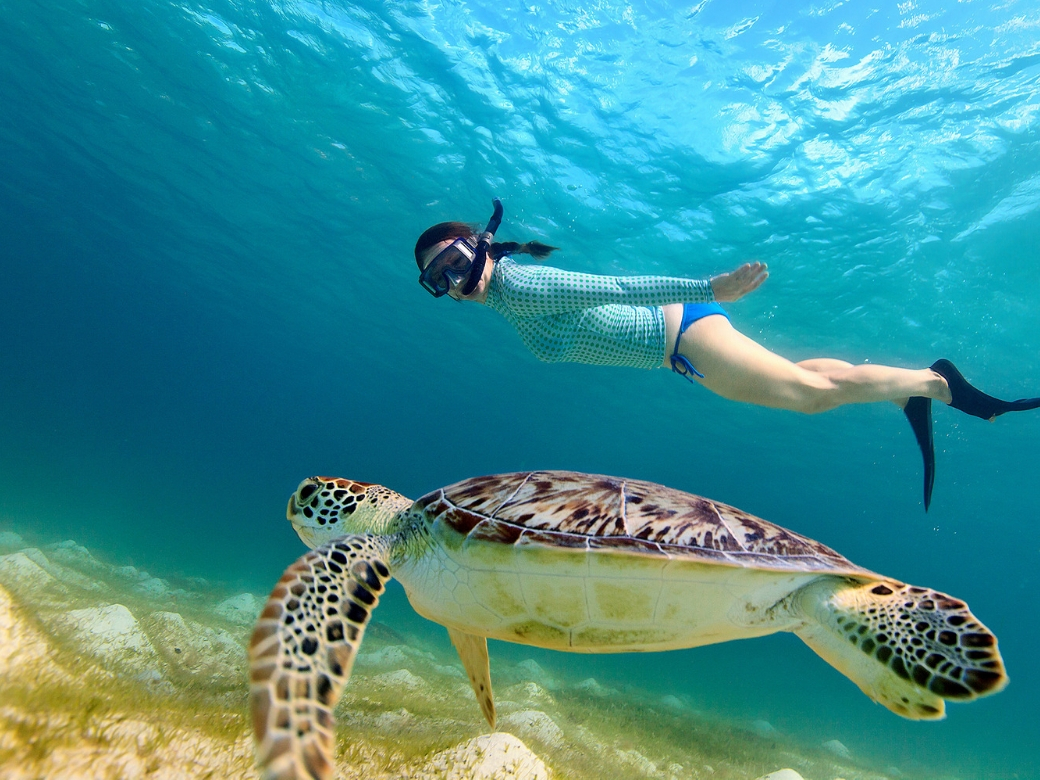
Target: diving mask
point(449, 267)
point(461, 257)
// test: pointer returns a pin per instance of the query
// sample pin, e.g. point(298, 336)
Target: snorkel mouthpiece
point(483, 244)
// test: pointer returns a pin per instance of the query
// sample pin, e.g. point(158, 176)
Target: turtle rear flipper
point(908, 648)
point(474, 656)
point(302, 651)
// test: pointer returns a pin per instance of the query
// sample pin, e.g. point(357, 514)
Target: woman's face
point(480, 291)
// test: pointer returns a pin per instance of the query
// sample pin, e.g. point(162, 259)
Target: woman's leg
point(740, 369)
point(819, 365)
point(822, 365)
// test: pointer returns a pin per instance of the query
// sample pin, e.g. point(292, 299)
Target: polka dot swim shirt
point(563, 316)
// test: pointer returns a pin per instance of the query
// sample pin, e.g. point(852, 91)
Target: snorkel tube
point(483, 244)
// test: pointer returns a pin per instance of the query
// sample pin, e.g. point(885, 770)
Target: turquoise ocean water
point(207, 292)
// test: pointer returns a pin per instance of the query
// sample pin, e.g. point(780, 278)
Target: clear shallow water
point(207, 292)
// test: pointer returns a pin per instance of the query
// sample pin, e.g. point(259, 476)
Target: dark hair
point(445, 230)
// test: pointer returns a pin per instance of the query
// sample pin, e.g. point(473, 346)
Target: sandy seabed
point(109, 672)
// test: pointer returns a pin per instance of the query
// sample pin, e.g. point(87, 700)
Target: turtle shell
point(567, 509)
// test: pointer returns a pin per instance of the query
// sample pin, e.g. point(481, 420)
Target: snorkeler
point(656, 321)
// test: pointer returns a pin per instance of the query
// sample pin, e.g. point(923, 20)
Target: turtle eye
point(307, 491)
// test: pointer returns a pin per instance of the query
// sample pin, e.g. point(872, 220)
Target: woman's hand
point(736, 284)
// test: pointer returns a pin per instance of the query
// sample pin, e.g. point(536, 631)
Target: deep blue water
point(207, 291)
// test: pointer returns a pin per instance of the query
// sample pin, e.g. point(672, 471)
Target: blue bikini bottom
point(691, 312)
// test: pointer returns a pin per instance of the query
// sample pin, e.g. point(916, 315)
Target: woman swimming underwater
point(656, 321)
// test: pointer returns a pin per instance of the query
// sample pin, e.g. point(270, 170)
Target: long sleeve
point(540, 291)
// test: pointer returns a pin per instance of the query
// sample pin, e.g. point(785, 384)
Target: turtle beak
point(294, 514)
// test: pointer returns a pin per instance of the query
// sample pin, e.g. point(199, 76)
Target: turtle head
point(325, 508)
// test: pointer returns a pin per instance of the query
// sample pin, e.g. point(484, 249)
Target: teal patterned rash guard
point(563, 316)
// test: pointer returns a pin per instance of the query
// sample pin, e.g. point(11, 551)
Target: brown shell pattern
point(567, 509)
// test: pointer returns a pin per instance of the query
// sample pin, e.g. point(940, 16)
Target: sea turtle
point(590, 564)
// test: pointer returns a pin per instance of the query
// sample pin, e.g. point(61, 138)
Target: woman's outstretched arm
point(538, 291)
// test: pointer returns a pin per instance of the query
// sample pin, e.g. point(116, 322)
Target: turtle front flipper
point(303, 648)
point(473, 653)
point(908, 648)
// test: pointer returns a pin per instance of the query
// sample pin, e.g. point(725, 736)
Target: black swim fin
point(975, 402)
point(918, 411)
